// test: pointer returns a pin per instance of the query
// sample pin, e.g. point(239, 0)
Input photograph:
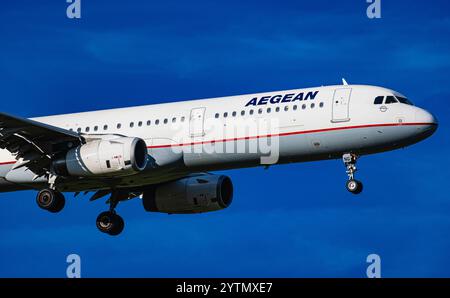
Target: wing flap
point(33, 143)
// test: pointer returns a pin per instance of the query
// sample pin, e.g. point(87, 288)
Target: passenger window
point(225, 115)
point(295, 107)
point(242, 113)
point(312, 106)
point(157, 121)
point(234, 114)
point(251, 112)
point(105, 127)
point(87, 129)
point(269, 110)
point(79, 129)
point(217, 115)
point(277, 109)
point(119, 125)
point(390, 99)
point(149, 122)
point(182, 119)
point(165, 121)
point(174, 120)
point(378, 100)
point(95, 128)
point(131, 124)
point(303, 106)
point(259, 111)
point(321, 104)
point(286, 108)
point(140, 123)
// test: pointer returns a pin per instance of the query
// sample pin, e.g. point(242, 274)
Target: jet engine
point(120, 156)
point(190, 195)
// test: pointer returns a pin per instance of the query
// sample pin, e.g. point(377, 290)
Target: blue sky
point(289, 221)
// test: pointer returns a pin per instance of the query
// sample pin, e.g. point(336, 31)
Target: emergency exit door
point(341, 105)
point(196, 122)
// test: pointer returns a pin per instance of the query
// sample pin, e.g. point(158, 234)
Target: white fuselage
point(221, 133)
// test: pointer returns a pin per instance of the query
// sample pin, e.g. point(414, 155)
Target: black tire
point(110, 223)
point(50, 200)
point(119, 224)
point(59, 204)
point(105, 222)
point(354, 186)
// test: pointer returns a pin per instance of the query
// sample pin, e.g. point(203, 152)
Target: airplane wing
point(34, 143)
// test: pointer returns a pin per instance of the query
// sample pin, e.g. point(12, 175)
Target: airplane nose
point(428, 120)
point(423, 116)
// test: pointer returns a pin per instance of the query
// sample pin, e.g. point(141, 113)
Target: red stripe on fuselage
point(275, 135)
point(291, 133)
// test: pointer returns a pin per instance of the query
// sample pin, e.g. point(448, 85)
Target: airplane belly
point(362, 139)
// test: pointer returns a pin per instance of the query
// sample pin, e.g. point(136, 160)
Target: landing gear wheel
point(110, 223)
point(119, 225)
point(354, 186)
point(50, 200)
point(60, 203)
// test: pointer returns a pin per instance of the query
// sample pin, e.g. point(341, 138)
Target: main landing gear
point(109, 222)
point(50, 200)
point(354, 186)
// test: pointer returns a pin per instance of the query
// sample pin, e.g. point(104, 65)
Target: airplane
point(164, 153)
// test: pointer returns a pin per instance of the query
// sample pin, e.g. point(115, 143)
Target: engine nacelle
point(190, 195)
point(119, 156)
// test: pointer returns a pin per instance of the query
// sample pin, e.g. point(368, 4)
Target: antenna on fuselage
point(344, 82)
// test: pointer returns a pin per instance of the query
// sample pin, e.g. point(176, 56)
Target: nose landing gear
point(354, 186)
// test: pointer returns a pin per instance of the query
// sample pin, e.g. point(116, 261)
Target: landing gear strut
point(50, 200)
point(109, 222)
point(354, 186)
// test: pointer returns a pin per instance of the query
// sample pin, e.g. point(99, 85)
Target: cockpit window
point(404, 100)
point(378, 100)
point(390, 99)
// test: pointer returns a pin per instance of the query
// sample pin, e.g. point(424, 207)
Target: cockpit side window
point(404, 100)
point(378, 100)
point(390, 99)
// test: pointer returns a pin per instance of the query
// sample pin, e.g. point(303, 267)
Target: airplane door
point(341, 101)
point(196, 122)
